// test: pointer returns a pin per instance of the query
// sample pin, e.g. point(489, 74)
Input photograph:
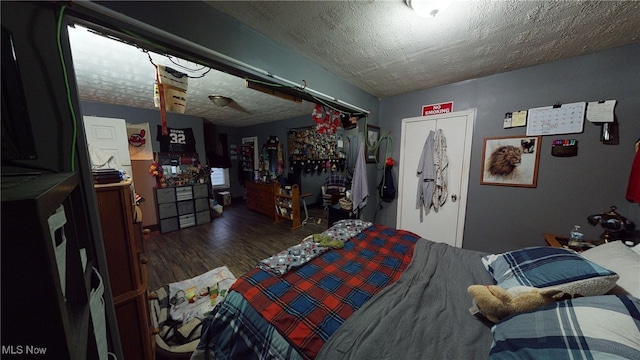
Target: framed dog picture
point(511, 161)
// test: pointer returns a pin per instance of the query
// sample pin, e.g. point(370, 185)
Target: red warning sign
point(436, 109)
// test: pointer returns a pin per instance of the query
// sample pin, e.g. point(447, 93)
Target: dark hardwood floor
point(238, 239)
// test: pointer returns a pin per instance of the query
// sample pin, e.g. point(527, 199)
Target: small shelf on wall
point(287, 204)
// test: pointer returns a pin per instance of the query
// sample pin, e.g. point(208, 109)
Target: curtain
point(217, 147)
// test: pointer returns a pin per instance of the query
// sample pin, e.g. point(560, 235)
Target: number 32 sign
point(177, 140)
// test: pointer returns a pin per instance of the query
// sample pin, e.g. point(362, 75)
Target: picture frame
point(233, 152)
point(371, 151)
point(511, 161)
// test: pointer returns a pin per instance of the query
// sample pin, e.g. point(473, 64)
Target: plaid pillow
point(545, 266)
point(595, 327)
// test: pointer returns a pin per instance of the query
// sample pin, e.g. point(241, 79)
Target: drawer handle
point(144, 260)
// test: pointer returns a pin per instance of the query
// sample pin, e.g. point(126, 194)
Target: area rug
point(197, 296)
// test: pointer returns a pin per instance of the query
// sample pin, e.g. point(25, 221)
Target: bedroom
point(557, 203)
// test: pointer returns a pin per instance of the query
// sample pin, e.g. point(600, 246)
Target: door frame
point(466, 166)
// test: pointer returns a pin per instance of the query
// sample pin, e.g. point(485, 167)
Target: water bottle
point(575, 236)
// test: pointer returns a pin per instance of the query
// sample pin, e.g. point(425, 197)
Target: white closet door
point(446, 225)
point(110, 136)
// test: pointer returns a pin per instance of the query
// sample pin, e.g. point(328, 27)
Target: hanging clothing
point(440, 164)
point(101, 159)
point(359, 185)
point(633, 189)
point(426, 177)
point(352, 154)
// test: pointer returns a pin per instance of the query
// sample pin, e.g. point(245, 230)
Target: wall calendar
point(556, 119)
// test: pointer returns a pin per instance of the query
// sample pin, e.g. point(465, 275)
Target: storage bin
point(202, 204)
point(200, 191)
point(187, 220)
point(184, 193)
point(203, 217)
point(185, 207)
point(166, 195)
point(224, 198)
point(167, 210)
point(169, 224)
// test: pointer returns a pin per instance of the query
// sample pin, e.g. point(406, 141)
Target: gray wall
point(500, 218)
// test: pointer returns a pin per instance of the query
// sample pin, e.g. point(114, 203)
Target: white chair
point(328, 193)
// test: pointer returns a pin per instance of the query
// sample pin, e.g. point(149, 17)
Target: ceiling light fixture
point(428, 8)
point(220, 100)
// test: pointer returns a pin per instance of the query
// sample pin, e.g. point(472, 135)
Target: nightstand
point(563, 242)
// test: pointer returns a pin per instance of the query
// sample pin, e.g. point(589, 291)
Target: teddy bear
point(496, 303)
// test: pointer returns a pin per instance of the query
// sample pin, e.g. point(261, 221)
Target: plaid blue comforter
point(237, 331)
point(307, 304)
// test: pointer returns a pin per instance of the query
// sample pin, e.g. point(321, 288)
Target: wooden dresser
point(261, 197)
point(127, 269)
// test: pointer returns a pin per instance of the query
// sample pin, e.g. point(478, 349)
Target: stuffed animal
point(496, 303)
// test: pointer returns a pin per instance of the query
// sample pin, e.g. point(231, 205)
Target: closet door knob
point(454, 198)
point(144, 260)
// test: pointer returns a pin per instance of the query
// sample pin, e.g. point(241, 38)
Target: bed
point(389, 294)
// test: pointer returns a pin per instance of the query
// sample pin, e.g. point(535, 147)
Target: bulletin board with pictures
point(307, 144)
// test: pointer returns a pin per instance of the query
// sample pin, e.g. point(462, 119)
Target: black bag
point(387, 187)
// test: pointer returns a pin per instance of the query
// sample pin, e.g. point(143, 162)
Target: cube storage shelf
point(181, 207)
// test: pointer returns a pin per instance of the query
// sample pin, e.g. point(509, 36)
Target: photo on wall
point(371, 150)
point(511, 161)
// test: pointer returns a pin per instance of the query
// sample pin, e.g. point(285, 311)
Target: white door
point(446, 225)
point(110, 136)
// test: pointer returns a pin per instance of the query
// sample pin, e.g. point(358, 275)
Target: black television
point(17, 135)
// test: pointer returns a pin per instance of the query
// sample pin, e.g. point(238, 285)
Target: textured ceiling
point(384, 48)
point(112, 72)
point(380, 46)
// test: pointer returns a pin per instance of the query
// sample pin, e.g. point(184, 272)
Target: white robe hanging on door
point(440, 166)
point(426, 177)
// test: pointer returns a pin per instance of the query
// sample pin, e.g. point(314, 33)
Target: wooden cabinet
point(46, 270)
point(181, 207)
point(260, 197)
point(287, 205)
point(127, 268)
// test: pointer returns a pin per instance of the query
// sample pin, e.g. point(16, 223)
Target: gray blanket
point(424, 315)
